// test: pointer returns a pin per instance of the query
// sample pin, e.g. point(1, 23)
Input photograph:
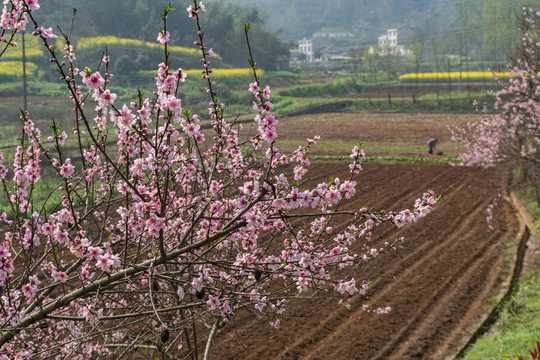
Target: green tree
point(417, 48)
point(389, 61)
point(500, 31)
point(438, 58)
point(369, 60)
point(356, 67)
point(223, 26)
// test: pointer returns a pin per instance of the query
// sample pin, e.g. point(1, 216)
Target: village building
point(333, 32)
point(326, 45)
point(395, 41)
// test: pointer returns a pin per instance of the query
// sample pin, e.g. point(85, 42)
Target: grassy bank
point(518, 327)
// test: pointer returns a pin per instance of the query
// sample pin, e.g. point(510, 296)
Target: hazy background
point(488, 28)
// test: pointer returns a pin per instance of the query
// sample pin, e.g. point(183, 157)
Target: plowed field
point(382, 134)
point(438, 283)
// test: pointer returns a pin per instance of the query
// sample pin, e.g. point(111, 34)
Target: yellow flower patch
point(101, 41)
point(16, 68)
point(476, 75)
point(228, 73)
point(33, 47)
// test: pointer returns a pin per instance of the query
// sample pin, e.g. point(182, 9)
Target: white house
point(395, 41)
point(305, 46)
point(327, 44)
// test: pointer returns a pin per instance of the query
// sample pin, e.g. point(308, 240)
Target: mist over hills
point(486, 26)
point(223, 26)
point(365, 18)
point(488, 29)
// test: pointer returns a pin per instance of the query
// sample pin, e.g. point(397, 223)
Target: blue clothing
point(431, 145)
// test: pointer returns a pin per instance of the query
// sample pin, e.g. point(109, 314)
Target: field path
point(437, 283)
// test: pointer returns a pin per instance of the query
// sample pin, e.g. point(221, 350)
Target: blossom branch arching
point(162, 228)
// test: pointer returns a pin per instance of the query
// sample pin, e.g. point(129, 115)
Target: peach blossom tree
point(163, 227)
point(511, 134)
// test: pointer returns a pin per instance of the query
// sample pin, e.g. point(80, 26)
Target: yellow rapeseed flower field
point(33, 48)
point(16, 68)
point(226, 72)
point(101, 41)
point(442, 76)
point(240, 72)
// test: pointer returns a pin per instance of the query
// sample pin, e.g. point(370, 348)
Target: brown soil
point(438, 283)
point(371, 126)
point(408, 131)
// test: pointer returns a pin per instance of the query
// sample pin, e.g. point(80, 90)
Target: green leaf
point(331, 181)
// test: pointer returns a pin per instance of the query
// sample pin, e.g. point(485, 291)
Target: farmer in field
point(431, 145)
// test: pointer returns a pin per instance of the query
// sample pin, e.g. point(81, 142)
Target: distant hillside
point(484, 23)
point(130, 55)
point(366, 18)
point(487, 28)
point(140, 19)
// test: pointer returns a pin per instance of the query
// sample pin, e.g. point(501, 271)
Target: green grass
point(281, 74)
point(288, 105)
point(456, 104)
point(518, 327)
point(321, 90)
point(533, 209)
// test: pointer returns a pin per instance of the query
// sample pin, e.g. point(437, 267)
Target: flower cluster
point(45, 33)
point(267, 122)
point(163, 37)
point(14, 14)
point(422, 207)
point(194, 11)
point(6, 263)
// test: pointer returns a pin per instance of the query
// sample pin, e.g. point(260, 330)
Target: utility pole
point(24, 72)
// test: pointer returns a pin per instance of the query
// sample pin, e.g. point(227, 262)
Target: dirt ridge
point(488, 318)
point(438, 283)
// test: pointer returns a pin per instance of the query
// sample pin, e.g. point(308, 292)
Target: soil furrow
point(437, 282)
point(409, 277)
point(450, 291)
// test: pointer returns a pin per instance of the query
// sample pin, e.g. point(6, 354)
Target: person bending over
point(431, 145)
